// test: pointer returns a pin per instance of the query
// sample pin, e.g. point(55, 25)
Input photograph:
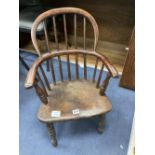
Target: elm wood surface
point(128, 75)
point(84, 95)
point(70, 95)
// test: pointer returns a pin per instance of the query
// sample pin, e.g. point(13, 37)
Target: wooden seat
point(68, 96)
point(72, 98)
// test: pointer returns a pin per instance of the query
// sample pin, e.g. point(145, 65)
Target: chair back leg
point(52, 133)
point(101, 123)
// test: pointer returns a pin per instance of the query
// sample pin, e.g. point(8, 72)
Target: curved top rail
point(63, 10)
point(32, 72)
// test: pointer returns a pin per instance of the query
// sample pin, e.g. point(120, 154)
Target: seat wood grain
point(70, 95)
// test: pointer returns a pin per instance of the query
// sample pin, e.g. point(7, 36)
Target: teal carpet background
point(75, 137)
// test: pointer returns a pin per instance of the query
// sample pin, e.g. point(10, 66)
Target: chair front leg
point(101, 123)
point(52, 133)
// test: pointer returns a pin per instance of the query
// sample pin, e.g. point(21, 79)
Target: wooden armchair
point(73, 98)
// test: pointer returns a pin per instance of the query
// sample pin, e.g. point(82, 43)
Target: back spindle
point(85, 67)
point(45, 78)
point(55, 33)
point(75, 31)
point(75, 45)
point(46, 42)
point(100, 75)
point(41, 93)
point(65, 30)
point(42, 84)
point(68, 66)
point(94, 75)
point(60, 68)
point(84, 33)
point(87, 20)
point(46, 36)
point(53, 72)
point(77, 67)
point(105, 84)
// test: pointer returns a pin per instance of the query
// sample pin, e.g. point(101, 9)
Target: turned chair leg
point(52, 133)
point(101, 123)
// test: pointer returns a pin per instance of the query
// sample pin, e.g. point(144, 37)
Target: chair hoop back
point(63, 11)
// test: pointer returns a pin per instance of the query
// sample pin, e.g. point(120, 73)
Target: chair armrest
point(110, 66)
point(31, 76)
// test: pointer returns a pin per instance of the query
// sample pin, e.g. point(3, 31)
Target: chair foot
point(101, 124)
point(52, 133)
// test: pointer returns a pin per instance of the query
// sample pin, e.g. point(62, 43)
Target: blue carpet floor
point(75, 137)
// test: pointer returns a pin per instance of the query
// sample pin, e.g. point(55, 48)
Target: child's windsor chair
point(69, 99)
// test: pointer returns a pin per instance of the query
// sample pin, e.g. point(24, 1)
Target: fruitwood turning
point(87, 94)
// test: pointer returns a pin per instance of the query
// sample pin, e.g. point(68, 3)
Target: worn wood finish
point(70, 95)
point(67, 95)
